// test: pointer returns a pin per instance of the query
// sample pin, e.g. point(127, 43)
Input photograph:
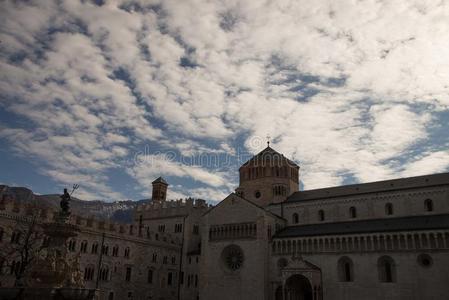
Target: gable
point(234, 209)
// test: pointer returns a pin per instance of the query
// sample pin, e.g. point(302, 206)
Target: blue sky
point(113, 94)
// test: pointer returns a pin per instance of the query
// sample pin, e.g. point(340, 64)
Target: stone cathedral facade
point(268, 240)
point(271, 241)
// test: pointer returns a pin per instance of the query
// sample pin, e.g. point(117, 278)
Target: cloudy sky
point(112, 94)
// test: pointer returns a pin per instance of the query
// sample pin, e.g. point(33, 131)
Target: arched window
point(127, 252)
point(428, 205)
point(389, 209)
point(94, 248)
point(321, 215)
point(386, 269)
point(105, 250)
point(345, 269)
point(353, 212)
point(15, 237)
point(89, 273)
point(72, 245)
point(83, 247)
point(104, 273)
point(115, 251)
point(295, 218)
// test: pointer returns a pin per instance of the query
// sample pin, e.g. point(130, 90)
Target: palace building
point(269, 240)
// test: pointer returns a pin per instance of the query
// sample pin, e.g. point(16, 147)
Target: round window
point(232, 257)
point(282, 263)
point(425, 260)
point(257, 194)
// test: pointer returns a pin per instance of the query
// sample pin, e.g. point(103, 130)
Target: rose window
point(232, 257)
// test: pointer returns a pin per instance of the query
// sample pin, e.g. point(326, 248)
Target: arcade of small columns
point(438, 239)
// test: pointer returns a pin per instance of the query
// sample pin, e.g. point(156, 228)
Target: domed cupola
point(268, 177)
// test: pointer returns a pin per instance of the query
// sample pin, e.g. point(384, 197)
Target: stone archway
point(298, 287)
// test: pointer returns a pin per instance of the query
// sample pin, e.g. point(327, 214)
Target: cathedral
point(267, 241)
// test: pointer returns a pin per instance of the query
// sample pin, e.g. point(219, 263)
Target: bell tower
point(159, 189)
point(268, 177)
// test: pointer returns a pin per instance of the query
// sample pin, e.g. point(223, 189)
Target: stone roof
point(160, 180)
point(363, 226)
point(371, 187)
point(266, 154)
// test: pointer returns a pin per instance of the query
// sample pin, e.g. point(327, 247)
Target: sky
point(111, 95)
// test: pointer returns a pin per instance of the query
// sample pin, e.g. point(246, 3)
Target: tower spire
point(268, 140)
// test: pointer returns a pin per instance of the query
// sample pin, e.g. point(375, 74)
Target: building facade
point(268, 240)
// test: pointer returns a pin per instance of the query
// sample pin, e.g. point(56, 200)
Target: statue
point(65, 207)
point(65, 201)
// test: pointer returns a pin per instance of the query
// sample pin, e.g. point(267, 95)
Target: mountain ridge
point(117, 211)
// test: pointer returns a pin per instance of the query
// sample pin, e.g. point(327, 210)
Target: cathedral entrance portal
point(297, 287)
point(301, 280)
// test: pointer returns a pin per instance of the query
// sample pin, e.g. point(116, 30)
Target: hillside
point(118, 211)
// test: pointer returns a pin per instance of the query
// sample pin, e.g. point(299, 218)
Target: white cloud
point(342, 87)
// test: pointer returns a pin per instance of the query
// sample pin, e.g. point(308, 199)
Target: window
point(15, 267)
point(150, 276)
point(164, 261)
point(232, 257)
point(115, 251)
point(257, 194)
point(170, 278)
point(72, 245)
point(295, 218)
point(178, 228)
point(321, 215)
point(161, 228)
point(94, 248)
point(196, 229)
point(83, 248)
point(128, 274)
point(15, 237)
point(104, 273)
point(89, 273)
point(154, 257)
point(105, 250)
point(173, 260)
point(111, 296)
point(425, 261)
point(127, 252)
point(345, 269)
point(352, 212)
point(181, 278)
point(386, 269)
point(196, 280)
point(388, 209)
point(1, 234)
point(428, 205)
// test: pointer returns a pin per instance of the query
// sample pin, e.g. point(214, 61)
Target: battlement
point(178, 207)
point(19, 211)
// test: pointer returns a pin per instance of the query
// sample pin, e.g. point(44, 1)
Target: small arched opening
point(298, 287)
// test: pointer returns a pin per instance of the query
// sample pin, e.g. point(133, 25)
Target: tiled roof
point(160, 180)
point(364, 226)
point(371, 187)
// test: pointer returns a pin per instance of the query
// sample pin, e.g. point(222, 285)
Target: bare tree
point(25, 246)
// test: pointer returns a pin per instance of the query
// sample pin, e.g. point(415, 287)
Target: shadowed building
point(268, 240)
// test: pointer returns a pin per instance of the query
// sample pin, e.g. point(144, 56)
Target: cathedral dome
point(268, 177)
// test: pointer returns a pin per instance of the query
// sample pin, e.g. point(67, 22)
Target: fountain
point(54, 275)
